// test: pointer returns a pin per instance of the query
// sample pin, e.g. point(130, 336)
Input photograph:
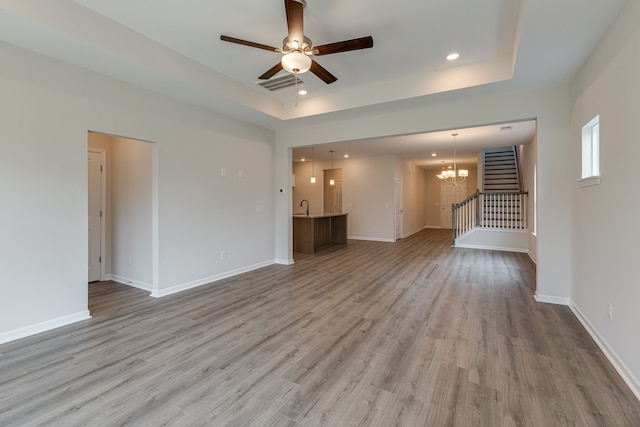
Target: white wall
point(368, 197)
point(131, 212)
point(202, 213)
point(604, 224)
point(46, 110)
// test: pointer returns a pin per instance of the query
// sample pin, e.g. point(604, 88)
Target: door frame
point(103, 205)
point(398, 194)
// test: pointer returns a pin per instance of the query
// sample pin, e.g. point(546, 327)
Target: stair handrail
point(518, 171)
point(457, 225)
point(468, 214)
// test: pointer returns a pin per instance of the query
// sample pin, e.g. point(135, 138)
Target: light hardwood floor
point(413, 333)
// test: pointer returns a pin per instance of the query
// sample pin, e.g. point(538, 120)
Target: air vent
point(281, 82)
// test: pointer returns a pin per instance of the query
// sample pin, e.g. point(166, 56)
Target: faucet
point(305, 200)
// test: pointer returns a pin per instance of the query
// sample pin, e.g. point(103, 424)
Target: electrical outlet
point(239, 173)
point(610, 311)
point(129, 259)
point(223, 172)
point(223, 255)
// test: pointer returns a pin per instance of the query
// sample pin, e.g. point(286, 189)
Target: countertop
point(316, 215)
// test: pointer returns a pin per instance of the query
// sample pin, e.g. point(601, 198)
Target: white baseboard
point(550, 299)
point(130, 282)
point(159, 293)
point(44, 326)
point(627, 375)
point(433, 226)
point(533, 257)
point(491, 248)
point(284, 261)
point(371, 239)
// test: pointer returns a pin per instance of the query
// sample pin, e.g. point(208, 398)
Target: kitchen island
point(313, 233)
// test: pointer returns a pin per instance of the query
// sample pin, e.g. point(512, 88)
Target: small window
point(591, 152)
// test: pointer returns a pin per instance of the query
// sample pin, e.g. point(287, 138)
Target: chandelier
point(453, 176)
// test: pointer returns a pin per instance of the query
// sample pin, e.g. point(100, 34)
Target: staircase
point(501, 173)
point(501, 185)
point(500, 208)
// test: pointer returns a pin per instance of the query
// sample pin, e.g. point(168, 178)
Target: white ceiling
point(409, 34)
point(173, 47)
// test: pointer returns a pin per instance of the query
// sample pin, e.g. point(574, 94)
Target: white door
point(95, 215)
point(399, 208)
point(449, 195)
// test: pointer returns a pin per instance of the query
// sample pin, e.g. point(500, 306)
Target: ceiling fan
point(298, 49)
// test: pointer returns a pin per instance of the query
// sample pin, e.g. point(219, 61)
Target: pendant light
point(313, 175)
point(332, 181)
point(454, 176)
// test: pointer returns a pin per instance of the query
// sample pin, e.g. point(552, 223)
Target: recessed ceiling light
point(303, 160)
point(434, 155)
point(302, 92)
point(346, 156)
point(453, 56)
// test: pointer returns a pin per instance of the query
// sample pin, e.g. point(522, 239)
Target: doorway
point(127, 212)
point(450, 194)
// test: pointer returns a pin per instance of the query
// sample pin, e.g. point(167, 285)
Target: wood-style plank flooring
point(369, 334)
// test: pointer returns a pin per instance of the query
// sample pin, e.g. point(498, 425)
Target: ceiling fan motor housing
point(292, 46)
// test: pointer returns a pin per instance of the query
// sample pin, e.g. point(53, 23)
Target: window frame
point(590, 153)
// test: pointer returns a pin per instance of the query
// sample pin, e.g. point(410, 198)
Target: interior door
point(95, 214)
point(399, 207)
point(449, 195)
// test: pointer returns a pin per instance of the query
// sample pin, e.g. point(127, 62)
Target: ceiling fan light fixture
point(296, 62)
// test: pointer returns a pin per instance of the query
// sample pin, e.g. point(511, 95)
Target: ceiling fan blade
point(271, 72)
point(322, 73)
point(248, 43)
point(344, 46)
point(295, 23)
